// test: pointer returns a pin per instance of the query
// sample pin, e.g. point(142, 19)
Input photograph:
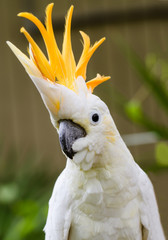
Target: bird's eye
point(94, 118)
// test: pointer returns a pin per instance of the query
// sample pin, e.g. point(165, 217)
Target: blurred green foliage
point(24, 195)
point(153, 74)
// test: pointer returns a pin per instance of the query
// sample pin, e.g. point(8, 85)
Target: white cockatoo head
point(83, 121)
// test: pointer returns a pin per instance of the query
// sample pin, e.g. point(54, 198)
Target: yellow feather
point(86, 55)
point(67, 52)
point(96, 81)
point(61, 67)
point(40, 59)
point(81, 69)
point(55, 57)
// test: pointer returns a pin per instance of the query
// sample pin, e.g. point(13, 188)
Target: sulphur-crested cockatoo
point(102, 194)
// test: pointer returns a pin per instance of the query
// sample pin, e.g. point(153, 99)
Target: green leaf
point(162, 154)
point(134, 111)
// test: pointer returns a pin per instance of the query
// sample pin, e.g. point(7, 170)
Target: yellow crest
point(61, 67)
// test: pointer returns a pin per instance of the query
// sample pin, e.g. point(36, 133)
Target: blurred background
point(135, 55)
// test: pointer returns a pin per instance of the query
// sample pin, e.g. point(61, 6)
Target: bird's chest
point(106, 208)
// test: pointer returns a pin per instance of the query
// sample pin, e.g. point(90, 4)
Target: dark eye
point(94, 118)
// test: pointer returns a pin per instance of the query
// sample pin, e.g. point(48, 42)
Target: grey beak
point(69, 132)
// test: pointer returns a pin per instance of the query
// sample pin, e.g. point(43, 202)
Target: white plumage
point(107, 203)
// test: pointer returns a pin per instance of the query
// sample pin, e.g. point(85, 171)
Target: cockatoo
point(102, 194)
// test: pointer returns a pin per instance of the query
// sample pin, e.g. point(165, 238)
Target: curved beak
point(69, 132)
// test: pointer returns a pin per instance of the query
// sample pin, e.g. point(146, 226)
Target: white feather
point(102, 193)
point(149, 210)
